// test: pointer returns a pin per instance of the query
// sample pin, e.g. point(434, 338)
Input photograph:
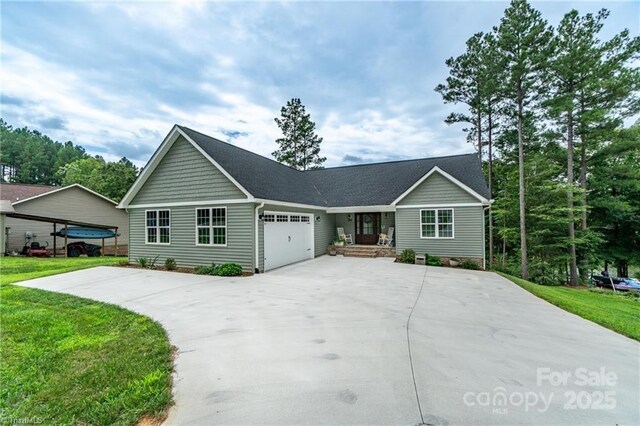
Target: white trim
point(436, 224)
point(484, 238)
point(75, 185)
point(256, 267)
point(167, 142)
point(215, 163)
point(146, 235)
point(157, 156)
point(211, 226)
point(190, 203)
point(435, 206)
point(446, 175)
point(362, 209)
point(287, 204)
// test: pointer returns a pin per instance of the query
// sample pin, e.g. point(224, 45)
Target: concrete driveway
point(326, 342)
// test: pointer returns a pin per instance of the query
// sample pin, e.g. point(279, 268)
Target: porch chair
point(385, 240)
point(346, 237)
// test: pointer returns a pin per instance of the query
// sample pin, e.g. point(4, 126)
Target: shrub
point(170, 264)
point(206, 270)
point(469, 264)
point(225, 270)
point(408, 256)
point(229, 270)
point(143, 262)
point(433, 261)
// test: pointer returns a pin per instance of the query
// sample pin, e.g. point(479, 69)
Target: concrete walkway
point(326, 342)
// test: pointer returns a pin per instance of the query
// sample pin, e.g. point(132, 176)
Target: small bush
point(469, 264)
point(433, 261)
point(225, 270)
point(206, 270)
point(170, 264)
point(143, 262)
point(408, 256)
point(229, 270)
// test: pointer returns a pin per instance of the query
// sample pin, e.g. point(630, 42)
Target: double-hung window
point(158, 226)
point(211, 226)
point(436, 223)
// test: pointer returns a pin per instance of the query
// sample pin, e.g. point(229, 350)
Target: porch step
point(359, 254)
point(366, 251)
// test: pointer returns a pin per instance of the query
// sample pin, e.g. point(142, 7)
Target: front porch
point(362, 250)
point(366, 227)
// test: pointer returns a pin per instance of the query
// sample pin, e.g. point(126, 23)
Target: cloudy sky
point(115, 76)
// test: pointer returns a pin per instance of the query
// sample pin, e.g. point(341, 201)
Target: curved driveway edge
point(325, 342)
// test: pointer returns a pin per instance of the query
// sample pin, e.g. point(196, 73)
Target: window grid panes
point(211, 226)
point(269, 218)
point(282, 218)
point(158, 226)
point(436, 223)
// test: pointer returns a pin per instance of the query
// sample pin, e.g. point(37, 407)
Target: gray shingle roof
point(360, 185)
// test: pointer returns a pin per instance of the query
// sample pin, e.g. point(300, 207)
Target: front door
point(367, 228)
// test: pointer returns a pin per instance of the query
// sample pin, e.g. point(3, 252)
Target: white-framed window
point(211, 226)
point(158, 227)
point(282, 218)
point(305, 219)
point(436, 223)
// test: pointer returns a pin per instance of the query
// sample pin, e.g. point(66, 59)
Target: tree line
point(28, 156)
point(545, 109)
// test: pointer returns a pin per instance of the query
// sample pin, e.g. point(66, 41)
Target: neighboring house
point(73, 202)
point(200, 200)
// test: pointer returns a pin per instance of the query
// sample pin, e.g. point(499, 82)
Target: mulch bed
point(181, 269)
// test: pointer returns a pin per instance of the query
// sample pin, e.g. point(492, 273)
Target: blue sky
point(115, 76)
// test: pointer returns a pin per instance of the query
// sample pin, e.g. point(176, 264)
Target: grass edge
point(525, 284)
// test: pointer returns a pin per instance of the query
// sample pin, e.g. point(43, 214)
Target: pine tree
point(572, 45)
point(463, 85)
point(610, 94)
point(523, 39)
point(490, 72)
point(299, 146)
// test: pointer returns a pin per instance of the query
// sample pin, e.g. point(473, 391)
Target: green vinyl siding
point(468, 234)
point(342, 220)
point(388, 220)
point(323, 230)
point(437, 189)
point(240, 237)
point(184, 174)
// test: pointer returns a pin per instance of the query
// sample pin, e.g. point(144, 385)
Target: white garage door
point(288, 238)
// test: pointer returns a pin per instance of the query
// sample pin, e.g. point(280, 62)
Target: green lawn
point(619, 312)
point(68, 360)
point(14, 269)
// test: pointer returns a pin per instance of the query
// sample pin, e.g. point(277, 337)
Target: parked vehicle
point(35, 249)
point(79, 248)
point(620, 284)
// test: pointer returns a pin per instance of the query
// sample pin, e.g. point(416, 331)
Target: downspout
point(484, 242)
point(257, 242)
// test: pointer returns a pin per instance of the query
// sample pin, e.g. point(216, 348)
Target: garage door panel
point(286, 242)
